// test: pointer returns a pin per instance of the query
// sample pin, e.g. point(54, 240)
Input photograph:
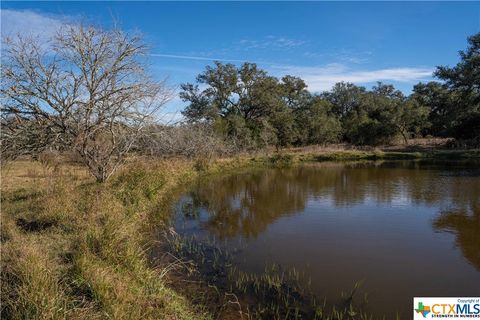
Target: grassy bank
point(72, 248)
point(76, 249)
point(352, 155)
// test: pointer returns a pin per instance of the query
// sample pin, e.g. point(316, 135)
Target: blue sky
point(322, 42)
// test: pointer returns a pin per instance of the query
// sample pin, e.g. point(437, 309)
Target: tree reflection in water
point(246, 204)
point(466, 226)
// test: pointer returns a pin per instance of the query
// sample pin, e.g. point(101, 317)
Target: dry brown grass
point(416, 144)
point(75, 249)
point(27, 174)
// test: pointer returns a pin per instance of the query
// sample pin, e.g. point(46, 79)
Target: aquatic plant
point(275, 293)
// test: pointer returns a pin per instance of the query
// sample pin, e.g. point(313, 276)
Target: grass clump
point(282, 160)
point(275, 293)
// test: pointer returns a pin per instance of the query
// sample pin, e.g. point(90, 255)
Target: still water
point(402, 228)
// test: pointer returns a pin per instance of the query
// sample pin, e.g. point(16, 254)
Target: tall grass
point(275, 293)
point(72, 248)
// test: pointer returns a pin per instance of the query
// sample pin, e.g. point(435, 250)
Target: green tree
point(370, 122)
point(238, 101)
point(411, 118)
point(382, 114)
point(293, 96)
point(345, 98)
point(437, 99)
point(217, 100)
point(317, 124)
point(282, 121)
point(463, 81)
point(294, 92)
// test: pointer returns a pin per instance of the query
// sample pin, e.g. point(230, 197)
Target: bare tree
point(186, 140)
point(87, 91)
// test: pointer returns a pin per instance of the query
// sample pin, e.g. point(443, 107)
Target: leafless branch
point(90, 93)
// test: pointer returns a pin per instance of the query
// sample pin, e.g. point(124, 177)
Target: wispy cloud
point(324, 77)
point(270, 42)
point(31, 23)
point(176, 56)
point(341, 55)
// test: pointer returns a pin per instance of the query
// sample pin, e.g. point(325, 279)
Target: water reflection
point(246, 204)
point(400, 226)
point(465, 224)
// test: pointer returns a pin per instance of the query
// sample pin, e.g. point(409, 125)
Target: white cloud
point(340, 55)
point(176, 56)
point(30, 23)
point(324, 77)
point(270, 42)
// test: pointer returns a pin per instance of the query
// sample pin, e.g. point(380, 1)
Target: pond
point(401, 228)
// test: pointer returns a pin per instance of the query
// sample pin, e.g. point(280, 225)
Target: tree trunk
point(405, 138)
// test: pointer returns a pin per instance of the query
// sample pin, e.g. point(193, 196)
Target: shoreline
point(82, 246)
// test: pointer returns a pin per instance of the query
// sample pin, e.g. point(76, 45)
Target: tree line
point(89, 92)
point(247, 105)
